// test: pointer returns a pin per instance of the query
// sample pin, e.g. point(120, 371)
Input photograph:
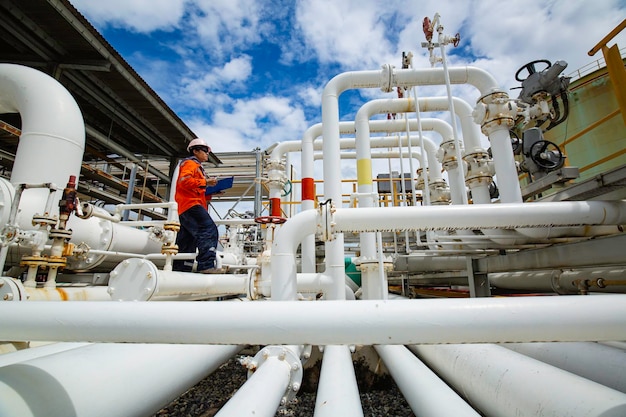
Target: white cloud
point(247, 124)
point(216, 65)
point(136, 15)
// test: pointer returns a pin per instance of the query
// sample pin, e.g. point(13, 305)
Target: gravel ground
point(380, 396)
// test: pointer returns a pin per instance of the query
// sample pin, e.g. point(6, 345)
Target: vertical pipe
point(257, 185)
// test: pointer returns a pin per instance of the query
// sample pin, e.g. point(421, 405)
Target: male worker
point(197, 229)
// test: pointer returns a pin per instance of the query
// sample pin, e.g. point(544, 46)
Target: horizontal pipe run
point(480, 216)
point(60, 293)
point(478, 320)
point(37, 352)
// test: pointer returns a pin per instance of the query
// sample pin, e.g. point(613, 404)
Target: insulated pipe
point(57, 386)
point(365, 322)
point(52, 124)
point(386, 79)
point(427, 395)
point(594, 361)
point(500, 382)
point(337, 391)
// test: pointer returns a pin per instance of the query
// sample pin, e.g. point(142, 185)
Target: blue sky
point(249, 73)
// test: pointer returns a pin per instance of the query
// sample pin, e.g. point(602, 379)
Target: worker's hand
point(211, 181)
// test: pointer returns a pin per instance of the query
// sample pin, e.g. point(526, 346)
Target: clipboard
point(222, 184)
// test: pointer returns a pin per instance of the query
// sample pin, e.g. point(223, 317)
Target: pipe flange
point(44, 220)
point(173, 226)
point(387, 78)
point(34, 260)
point(60, 234)
point(134, 279)
point(169, 249)
point(12, 290)
point(56, 262)
point(253, 275)
point(283, 354)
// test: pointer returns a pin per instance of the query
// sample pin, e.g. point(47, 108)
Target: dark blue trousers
point(197, 231)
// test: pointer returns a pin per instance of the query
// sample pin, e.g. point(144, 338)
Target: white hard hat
point(197, 142)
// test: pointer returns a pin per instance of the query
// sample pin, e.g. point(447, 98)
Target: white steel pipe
point(52, 127)
point(337, 391)
point(478, 320)
point(283, 260)
point(500, 382)
point(140, 280)
point(600, 363)
point(275, 375)
point(261, 394)
point(62, 293)
point(385, 79)
point(12, 289)
point(565, 281)
point(94, 380)
point(426, 393)
point(37, 352)
point(309, 143)
point(481, 216)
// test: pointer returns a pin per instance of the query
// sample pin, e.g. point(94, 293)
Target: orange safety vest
point(191, 185)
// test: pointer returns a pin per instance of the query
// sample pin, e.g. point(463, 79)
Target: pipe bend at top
point(479, 78)
point(52, 140)
point(52, 125)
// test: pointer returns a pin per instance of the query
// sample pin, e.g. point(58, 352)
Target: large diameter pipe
point(480, 216)
point(597, 362)
point(95, 380)
point(476, 320)
point(52, 129)
point(37, 352)
point(337, 391)
point(426, 393)
point(500, 382)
